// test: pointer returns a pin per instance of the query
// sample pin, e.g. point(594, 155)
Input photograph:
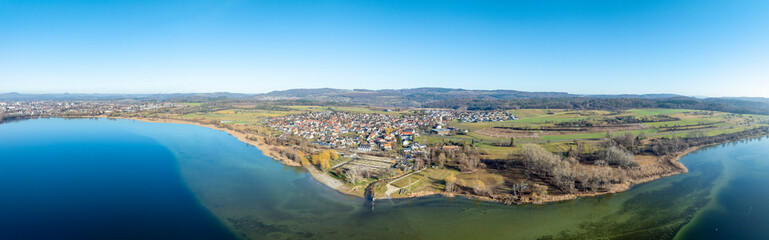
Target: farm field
point(552, 126)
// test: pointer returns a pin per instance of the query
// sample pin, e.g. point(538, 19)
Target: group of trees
point(356, 173)
point(294, 148)
point(595, 179)
point(537, 160)
point(667, 146)
point(298, 147)
point(616, 156)
point(323, 159)
point(464, 158)
point(627, 142)
point(577, 123)
point(522, 191)
point(293, 141)
point(604, 103)
point(13, 116)
point(569, 176)
point(477, 186)
point(480, 188)
point(451, 183)
point(566, 174)
point(701, 139)
point(293, 154)
point(633, 119)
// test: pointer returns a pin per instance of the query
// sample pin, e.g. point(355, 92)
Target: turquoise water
point(96, 179)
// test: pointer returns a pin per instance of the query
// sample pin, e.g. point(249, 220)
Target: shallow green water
point(724, 195)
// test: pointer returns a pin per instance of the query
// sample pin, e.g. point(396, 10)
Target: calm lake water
point(125, 179)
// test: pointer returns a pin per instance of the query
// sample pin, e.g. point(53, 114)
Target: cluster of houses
point(361, 131)
point(56, 108)
point(367, 132)
point(485, 116)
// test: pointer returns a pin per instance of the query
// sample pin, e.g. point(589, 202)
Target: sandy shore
point(331, 182)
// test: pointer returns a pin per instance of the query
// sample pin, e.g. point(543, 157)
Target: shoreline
point(667, 162)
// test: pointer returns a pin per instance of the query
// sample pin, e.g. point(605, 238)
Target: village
point(376, 142)
point(375, 132)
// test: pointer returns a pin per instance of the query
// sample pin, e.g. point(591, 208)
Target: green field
point(234, 116)
point(652, 112)
point(193, 104)
point(688, 121)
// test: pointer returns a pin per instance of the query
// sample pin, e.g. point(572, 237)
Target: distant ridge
point(425, 94)
point(99, 96)
point(440, 98)
point(643, 96)
point(750, 99)
point(437, 93)
point(458, 98)
point(403, 97)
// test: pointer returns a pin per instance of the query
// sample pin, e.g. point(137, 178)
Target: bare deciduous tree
point(617, 156)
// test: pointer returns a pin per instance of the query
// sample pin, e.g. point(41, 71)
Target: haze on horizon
point(696, 48)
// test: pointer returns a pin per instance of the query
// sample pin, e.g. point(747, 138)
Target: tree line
point(612, 104)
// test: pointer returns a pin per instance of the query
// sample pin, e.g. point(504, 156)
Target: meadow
point(547, 126)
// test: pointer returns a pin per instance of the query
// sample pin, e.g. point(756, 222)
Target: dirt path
point(342, 163)
point(391, 189)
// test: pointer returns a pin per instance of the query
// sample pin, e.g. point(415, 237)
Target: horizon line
point(353, 89)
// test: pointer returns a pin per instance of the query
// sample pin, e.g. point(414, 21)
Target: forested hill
point(508, 99)
point(594, 103)
point(13, 96)
point(402, 97)
point(439, 98)
point(417, 96)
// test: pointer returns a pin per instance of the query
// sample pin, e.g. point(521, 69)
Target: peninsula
point(528, 149)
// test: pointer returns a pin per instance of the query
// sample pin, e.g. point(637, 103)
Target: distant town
point(31, 109)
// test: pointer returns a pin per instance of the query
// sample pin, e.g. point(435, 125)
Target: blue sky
point(699, 47)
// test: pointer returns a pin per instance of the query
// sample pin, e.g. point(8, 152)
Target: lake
point(126, 179)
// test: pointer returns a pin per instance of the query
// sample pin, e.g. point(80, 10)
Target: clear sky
point(697, 47)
